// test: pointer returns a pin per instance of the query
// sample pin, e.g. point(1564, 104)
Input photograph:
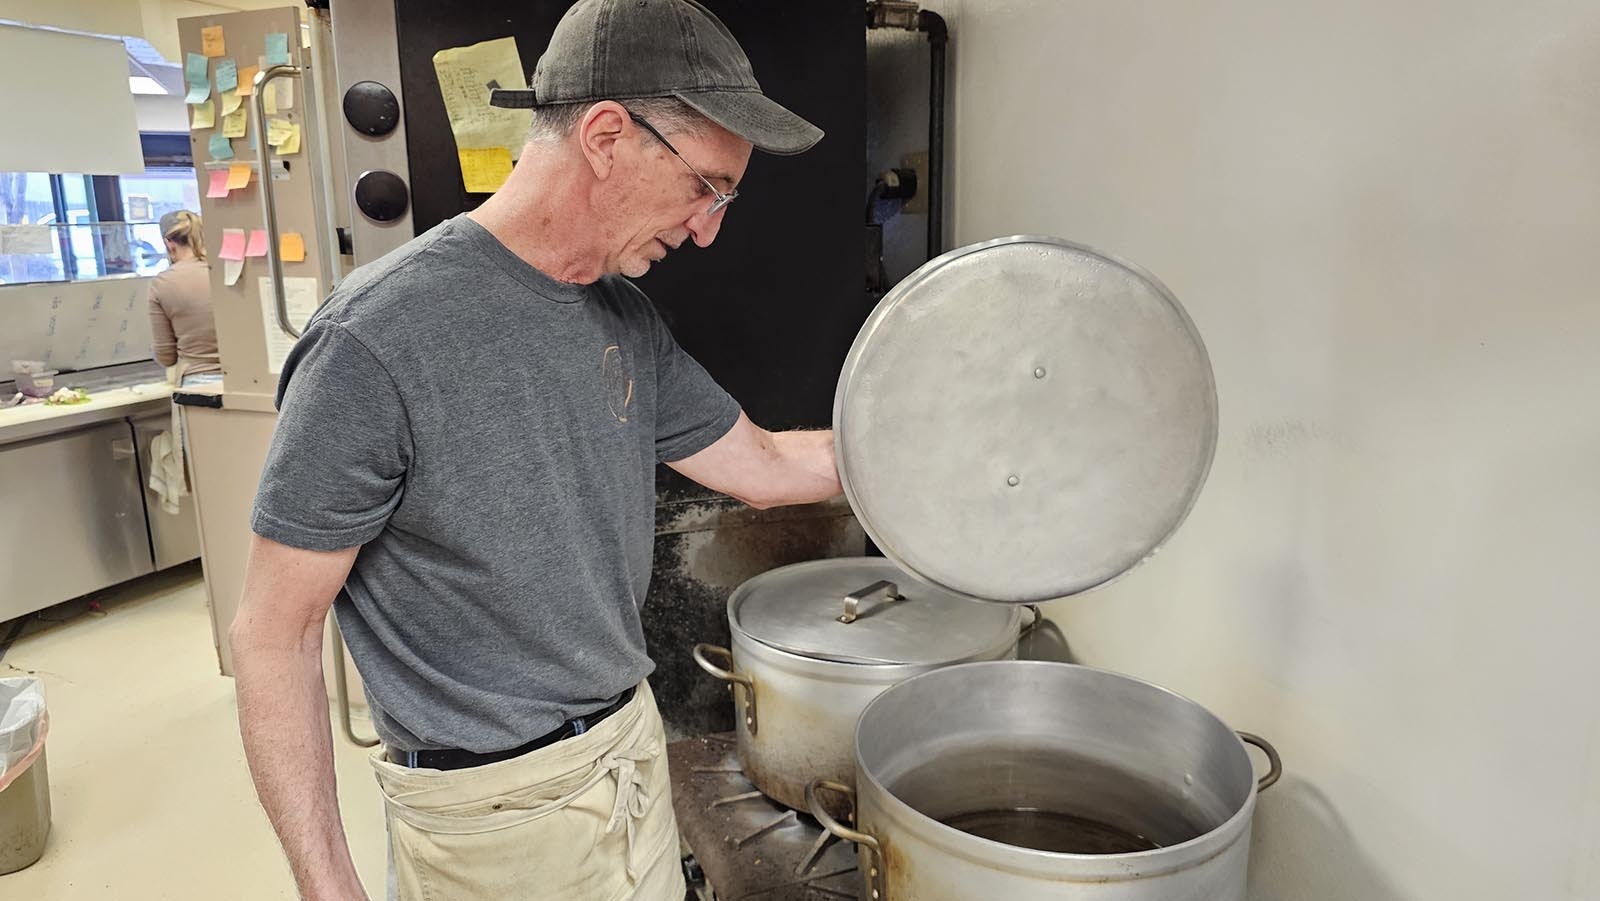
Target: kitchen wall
point(75, 325)
point(1383, 218)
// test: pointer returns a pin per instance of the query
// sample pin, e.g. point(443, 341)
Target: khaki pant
point(585, 818)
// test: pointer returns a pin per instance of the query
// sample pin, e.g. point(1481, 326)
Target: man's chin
point(637, 268)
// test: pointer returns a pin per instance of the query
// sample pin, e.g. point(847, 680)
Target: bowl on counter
point(36, 384)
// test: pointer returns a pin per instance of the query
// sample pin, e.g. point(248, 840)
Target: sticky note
point(234, 123)
point(484, 169)
point(231, 102)
point(291, 144)
point(269, 102)
point(221, 148)
point(285, 89)
point(231, 270)
point(291, 247)
point(205, 116)
point(211, 41)
point(239, 175)
point(247, 81)
point(232, 243)
point(227, 75)
point(258, 243)
point(198, 93)
point(219, 183)
point(278, 131)
point(194, 69)
point(276, 44)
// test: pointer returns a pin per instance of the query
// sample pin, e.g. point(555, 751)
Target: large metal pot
point(813, 643)
point(1032, 780)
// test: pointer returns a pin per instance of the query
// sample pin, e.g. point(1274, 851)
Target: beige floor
point(147, 775)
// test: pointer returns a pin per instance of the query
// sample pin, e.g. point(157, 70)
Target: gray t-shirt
point(489, 436)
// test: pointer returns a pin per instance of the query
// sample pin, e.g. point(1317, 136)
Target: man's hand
point(767, 469)
point(283, 708)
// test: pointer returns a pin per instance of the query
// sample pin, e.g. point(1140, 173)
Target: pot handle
point(731, 676)
point(878, 877)
point(1038, 617)
point(1274, 762)
point(852, 601)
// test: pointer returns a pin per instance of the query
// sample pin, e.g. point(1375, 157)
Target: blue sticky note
point(277, 48)
point(198, 93)
point(227, 76)
point(194, 69)
point(221, 146)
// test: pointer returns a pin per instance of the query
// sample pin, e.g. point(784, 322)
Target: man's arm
point(766, 469)
point(283, 708)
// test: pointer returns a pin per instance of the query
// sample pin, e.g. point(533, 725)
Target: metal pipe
point(341, 690)
point(938, 33)
point(264, 154)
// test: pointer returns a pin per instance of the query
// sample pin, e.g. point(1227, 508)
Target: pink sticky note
point(219, 184)
point(232, 242)
point(258, 243)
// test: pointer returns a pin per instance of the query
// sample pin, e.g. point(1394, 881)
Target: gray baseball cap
point(629, 49)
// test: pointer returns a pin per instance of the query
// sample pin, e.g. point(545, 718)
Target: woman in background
point(183, 334)
point(183, 338)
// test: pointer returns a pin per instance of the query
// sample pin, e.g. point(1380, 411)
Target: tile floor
point(147, 775)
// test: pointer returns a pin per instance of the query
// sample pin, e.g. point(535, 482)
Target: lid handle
point(852, 601)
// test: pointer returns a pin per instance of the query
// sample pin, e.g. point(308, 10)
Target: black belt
point(457, 759)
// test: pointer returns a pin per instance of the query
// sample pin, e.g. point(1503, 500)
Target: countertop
point(114, 393)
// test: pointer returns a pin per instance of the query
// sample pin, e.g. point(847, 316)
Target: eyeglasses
point(719, 199)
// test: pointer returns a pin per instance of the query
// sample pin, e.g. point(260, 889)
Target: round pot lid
point(1025, 419)
point(805, 609)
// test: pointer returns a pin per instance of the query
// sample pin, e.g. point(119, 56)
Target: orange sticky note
point(247, 80)
point(239, 176)
point(484, 169)
point(219, 183)
point(291, 247)
point(211, 41)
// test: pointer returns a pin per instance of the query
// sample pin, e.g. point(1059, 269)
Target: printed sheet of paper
point(301, 295)
point(484, 169)
point(218, 186)
point(465, 75)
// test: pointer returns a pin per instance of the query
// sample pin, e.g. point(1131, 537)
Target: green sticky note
point(221, 146)
point(227, 76)
point(194, 69)
point(198, 92)
point(276, 45)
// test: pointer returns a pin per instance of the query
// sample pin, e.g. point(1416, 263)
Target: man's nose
point(703, 227)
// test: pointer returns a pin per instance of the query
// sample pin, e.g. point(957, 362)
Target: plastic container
point(36, 384)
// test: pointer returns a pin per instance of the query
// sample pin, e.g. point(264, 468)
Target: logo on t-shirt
point(616, 381)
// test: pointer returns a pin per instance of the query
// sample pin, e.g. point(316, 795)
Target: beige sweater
point(180, 317)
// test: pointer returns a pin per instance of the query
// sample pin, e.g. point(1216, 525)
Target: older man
point(464, 469)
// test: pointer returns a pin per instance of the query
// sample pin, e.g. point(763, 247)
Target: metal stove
point(739, 844)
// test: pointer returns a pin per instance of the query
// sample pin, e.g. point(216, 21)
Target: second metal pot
point(815, 642)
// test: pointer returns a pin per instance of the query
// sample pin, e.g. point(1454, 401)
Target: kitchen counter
point(114, 393)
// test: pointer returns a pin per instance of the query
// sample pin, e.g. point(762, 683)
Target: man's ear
point(599, 132)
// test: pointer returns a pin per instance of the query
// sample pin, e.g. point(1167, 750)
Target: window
point(73, 227)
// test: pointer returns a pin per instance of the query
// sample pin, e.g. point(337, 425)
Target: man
point(464, 467)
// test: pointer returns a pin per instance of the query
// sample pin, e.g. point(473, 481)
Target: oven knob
point(381, 195)
point(371, 108)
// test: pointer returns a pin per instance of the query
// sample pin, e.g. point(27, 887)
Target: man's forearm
point(805, 472)
point(283, 718)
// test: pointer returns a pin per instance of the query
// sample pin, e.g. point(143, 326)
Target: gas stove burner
point(743, 844)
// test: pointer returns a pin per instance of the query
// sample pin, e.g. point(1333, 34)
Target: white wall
point(1383, 217)
point(76, 325)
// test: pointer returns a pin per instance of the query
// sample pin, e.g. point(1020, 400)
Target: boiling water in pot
point(1052, 800)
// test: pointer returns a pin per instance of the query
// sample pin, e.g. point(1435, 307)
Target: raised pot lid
point(799, 609)
point(1025, 419)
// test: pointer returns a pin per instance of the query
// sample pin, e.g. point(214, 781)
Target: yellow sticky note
point(231, 102)
point(291, 144)
point(233, 124)
point(269, 102)
point(205, 116)
point(278, 131)
point(238, 175)
point(291, 248)
point(211, 41)
point(484, 169)
point(247, 81)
